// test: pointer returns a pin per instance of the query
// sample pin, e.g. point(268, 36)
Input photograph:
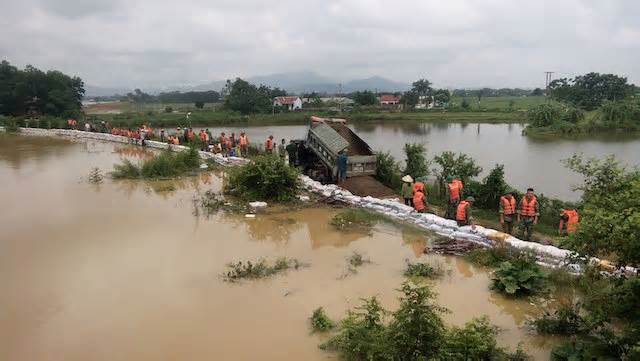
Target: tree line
point(31, 91)
point(586, 103)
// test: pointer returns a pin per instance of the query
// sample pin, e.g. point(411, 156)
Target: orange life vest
point(454, 190)
point(528, 208)
point(418, 200)
point(572, 221)
point(459, 183)
point(417, 186)
point(269, 144)
point(508, 205)
point(243, 140)
point(461, 211)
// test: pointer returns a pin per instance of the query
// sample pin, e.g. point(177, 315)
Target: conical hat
point(407, 179)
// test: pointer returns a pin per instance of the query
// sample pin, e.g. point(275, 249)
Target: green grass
point(163, 165)
point(501, 103)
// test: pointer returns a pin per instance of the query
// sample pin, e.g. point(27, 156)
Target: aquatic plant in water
point(259, 269)
point(320, 322)
point(95, 176)
point(423, 270)
point(519, 276)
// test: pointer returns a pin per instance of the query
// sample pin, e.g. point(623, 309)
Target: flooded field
point(528, 162)
point(128, 271)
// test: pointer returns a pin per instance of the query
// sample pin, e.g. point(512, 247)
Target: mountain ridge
point(292, 82)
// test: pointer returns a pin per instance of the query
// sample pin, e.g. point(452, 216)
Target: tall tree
point(32, 90)
point(590, 90)
point(366, 97)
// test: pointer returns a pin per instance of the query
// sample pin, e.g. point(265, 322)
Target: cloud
point(454, 43)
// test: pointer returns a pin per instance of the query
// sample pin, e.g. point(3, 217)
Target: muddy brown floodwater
point(127, 271)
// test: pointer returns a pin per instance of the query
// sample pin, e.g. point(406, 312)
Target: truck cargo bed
point(368, 186)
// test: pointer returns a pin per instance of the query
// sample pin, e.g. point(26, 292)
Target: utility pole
point(547, 81)
point(340, 97)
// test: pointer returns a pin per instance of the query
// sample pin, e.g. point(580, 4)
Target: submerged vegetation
point(320, 322)
point(518, 277)
point(212, 202)
point(163, 165)
point(423, 270)
point(259, 269)
point(265, 178)
point(415, 331)
point(355, 219)
point(95, 176)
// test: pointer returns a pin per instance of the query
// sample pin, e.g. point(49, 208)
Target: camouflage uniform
point(526, 222)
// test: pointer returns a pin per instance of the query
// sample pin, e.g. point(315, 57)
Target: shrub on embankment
point(619, 115)
point(265, 178)
point(164, 165)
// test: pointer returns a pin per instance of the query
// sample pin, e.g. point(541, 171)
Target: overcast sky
point(458, 43)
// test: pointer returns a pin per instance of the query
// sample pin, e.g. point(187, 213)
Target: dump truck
point(326, 138)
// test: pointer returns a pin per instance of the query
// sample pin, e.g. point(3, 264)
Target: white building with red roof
point(389, 99)
point(291, 102)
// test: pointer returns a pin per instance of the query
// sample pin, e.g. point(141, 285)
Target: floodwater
point(528, 162)
point(128, 271)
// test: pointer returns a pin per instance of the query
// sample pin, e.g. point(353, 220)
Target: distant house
point(389, 99)
point(292, 103)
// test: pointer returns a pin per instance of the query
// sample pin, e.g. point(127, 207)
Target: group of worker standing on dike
point(524, 213)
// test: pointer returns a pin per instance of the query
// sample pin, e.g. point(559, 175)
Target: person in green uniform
point(281, 150)
point(292, 150)
point(528, 213)
point(507, 211)
point(464, 215)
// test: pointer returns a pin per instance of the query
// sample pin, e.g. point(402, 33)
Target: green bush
point(416, 161)
point(265, 178)
point(543, 115)
point(461, 166)
point(620, 114)
point(476, 341)
point(565, 320)
point(388, 171)
point(519, 276)
point(362, 334)
point(415, 331)
point(320, 322)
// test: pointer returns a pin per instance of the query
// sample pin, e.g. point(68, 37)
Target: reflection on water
point(125, 271)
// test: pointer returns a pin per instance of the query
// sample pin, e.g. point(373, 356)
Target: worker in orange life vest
point(528, 213)
point(244, 144)
point(507, 211)
point(454, 192)
point(569, 218)
point(419, 197)
point(463, 213)
point(268, 145)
